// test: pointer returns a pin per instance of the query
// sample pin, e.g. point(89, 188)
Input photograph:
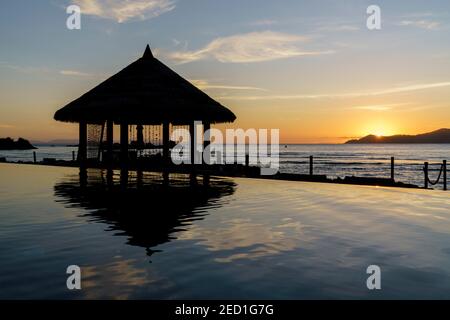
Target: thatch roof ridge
point(147, 92)
point(147, 53)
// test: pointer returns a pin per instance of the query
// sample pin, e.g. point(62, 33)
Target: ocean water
point(331, 160)
point(57, 152)
point(237, 239)
point(368, 160)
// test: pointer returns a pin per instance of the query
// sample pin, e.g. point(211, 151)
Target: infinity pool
point(235, 239)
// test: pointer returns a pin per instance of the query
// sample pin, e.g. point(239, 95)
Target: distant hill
point(438, 136)
point(20, 144)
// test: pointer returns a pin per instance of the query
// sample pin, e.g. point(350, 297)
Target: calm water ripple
point(239, 238)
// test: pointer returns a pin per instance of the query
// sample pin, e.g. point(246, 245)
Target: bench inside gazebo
point(147, 100)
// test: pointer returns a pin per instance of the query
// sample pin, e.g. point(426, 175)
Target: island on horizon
point(20, 144)
point(437, 136)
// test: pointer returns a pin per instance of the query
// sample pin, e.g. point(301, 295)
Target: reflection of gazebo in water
point(148, 213)
point(148, 100)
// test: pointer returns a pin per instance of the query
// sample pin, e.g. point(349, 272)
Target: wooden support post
point(140, 136)
point(82, 144)
point(311, 168)
point(83, 177)
point(166, 140)
point(193, 179)
point(73, 156)
point(206, 157)
point(166, 177)
point(206, 180)
point(109, 141)
point(124, 178)
point(139, 178)
point(110, 178)
point(206, 142)
point(123, 144)
point(392, 168)
point(426, 174)
point(34, 156)
point(247, 160)
point(444, 169)
point(193, 142)
point(100, 147)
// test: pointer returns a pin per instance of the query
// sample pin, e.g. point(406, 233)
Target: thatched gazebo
point(145, 94)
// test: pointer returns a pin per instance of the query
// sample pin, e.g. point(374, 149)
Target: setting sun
point(378, 128)
point(379, 133)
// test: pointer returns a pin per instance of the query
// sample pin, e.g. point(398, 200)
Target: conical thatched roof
point(145, 92)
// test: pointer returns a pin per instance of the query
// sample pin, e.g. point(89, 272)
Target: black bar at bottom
point(227, 309)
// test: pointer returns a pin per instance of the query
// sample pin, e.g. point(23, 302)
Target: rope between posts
point(438, 178)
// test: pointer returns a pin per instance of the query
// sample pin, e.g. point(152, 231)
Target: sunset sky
point(310, 68)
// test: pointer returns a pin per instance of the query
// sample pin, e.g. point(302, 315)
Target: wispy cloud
point(74, 73)
point(45, 70)
point(124, 10)
point(264, 22)
point(415, 87)
point(417, 15)
point(26, 69)
point(5, 126)
point(205, 85)
point(403, 89)
point(379, 107)
point(423, 24)
point(338, 28)
point(248, 47)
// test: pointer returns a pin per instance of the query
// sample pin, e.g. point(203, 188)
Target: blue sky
point(310, 68)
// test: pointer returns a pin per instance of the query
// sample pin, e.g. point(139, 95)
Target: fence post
point(392, 168)
point(444, 169)
point(34, 156)
point(426, 175)
point(311, 168)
